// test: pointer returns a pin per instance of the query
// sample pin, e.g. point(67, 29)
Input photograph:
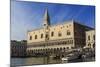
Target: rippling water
point(32, 61)
point(41, 60)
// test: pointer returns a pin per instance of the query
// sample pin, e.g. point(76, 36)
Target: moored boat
point(70, 57)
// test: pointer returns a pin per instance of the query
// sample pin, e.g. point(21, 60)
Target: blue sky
point(29, 15)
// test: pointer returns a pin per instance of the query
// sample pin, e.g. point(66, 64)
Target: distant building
point(60, 37)
point(18, 48)
point(90, 39)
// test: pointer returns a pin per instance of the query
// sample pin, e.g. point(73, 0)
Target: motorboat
point(70, 57)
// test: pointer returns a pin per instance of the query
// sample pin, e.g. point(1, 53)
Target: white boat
point(64, 59)
point(70, 57)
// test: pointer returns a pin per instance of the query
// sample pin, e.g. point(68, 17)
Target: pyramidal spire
point(46, 21)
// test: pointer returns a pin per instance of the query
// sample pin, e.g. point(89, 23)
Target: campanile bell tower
point(46, 24)
point(46, 20)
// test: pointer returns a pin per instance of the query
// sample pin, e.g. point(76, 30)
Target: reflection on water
point(41, 60)
point(32, 61)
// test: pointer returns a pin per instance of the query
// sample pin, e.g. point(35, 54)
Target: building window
point(44, 24)
point(88, 37)
point(72, 47)
point(41, 35)
point(35, 36)
point(65, 42)
point(59, 34)
point(46, 35)
point(68, 42)
point(68, 32)
point(89, 44)
point(94, 37)
point(30, 37)
point(52, 33)
point(71, 41)
point(67, 47)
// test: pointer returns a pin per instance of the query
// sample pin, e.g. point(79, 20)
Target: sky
point(29, 15)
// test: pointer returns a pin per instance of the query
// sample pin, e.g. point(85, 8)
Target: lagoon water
point(32, 61)
point(41, 61)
